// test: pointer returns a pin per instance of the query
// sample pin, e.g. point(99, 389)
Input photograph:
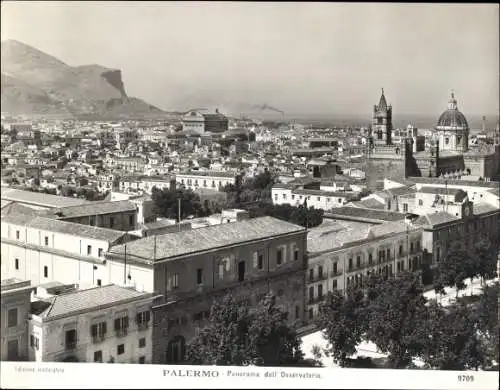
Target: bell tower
point(434, 157)
point(382, 122)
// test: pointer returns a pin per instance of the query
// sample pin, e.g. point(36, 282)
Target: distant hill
point(36, 83)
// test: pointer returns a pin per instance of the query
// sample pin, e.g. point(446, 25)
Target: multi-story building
point(118, 215)
point(344, 254)
point(205, 179)
point(45, 250)
point(192, 268)
point(216, 123)
point(15, 304)
point(102, 324)
point(199, 123)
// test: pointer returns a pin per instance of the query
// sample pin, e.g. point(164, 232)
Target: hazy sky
point(304, 58)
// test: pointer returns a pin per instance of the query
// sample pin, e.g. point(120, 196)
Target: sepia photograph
point(259, 194)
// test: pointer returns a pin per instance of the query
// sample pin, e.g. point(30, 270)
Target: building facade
point(109, 324)
point(193, 268)
point(205, 179)
point(15, 310)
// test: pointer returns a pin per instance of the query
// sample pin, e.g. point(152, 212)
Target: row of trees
point(234, 335)
point(394, 315)
point(460, 264)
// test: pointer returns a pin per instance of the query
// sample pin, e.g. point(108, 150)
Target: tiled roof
point(369, 203)
point(17, 218)
point(457, 193)
point(301, 191)
point(39, 198)
point(334, 237)
point(91, 299)
point(436, 219)
point(207, 173)
point(75, 229)
point(203, 239)
point(483, 208)
point(441, 181)
point(92, 208)
point(379, 215)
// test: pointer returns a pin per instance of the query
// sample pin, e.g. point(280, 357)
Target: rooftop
point(12, 285)
point(203, 239)
point(207, 173)
point(434, 219)
point(75, 229)
point(443, 181)
point(457, 193)
point(39, 199)
point(92, 208)
point(364, 213)
point(87, 300)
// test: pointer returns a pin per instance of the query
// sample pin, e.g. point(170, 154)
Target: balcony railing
point(317, 278)
point(334, 274)
point(98, 339)
point(122, 332)
point(70, 345)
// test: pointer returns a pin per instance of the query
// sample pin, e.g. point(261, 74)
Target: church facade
point(446, 153)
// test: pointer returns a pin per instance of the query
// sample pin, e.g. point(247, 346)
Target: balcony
point(334, 274)
point(317, 278)
point(316, 300)
point(121, 332)
point(141, 326)
point(70, 345)
point(98, 339)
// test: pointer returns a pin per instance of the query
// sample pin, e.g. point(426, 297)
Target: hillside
point(34, 82)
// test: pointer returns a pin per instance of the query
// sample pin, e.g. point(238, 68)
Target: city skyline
point(304, 59)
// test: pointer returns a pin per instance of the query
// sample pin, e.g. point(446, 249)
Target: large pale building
point(193, 268)
point(109, 324)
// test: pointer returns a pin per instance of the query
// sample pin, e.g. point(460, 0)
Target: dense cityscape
point(130, 234)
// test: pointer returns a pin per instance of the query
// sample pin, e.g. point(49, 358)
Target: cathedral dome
point(452, 117)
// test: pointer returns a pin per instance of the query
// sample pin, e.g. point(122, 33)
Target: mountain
point(34, 82)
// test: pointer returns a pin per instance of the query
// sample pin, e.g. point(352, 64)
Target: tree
point(392, 311)
point(485, 257)
point(343, 323)
point(452, 342)
point(275, 343)
point(452, 271)
point(235, 336)
point(166, 203)
point(488, 321)
point(225, 340)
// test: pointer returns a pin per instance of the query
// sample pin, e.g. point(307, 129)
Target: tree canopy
point(234, 335)
point(166, 203)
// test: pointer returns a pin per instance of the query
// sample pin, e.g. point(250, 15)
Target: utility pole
point(179, 213)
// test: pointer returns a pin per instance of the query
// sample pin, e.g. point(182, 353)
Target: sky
point(303, 58)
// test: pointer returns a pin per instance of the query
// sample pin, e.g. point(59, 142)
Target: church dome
point(452, 117)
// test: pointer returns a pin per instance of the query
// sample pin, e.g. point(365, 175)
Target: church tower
point(434, 157)
point(382, 122)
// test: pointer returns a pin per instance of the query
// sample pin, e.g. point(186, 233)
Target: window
point(311, 314)
point(350, 264)
point(411, 247)
point(142, 319)
point(320, 271)
point(17, 234)
point(293, 197)
point(334, 285)
point(446, 141)
point(405, 207)
point(131, 220)
point(418, 246)
point(99, 252)
point(199, 276)
point(89, 250)
point(70, 339)
point(297, 312)
point(370, 258)
point(320, 291)
point(281, 292)
point(388, 254)
point(260, 264)
point(318, 198)
point(121, 326)
point(358, 261)
point(335, 270)
point(142, 342)
point(279, 256)
point(16, 263)
point(295, 254)
point(99, 282)
point(12, 318)
point(92, 220)
point(275, 196)
point(400, 250)
point(121, 349)
point(111, 222)
point(142, 360)
point(34, 342)
point(311, 294)
point(46, 241)
point(45, 271)
point(311, 274)
point(98, 331)
point(241, 271)
point(98, 357)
